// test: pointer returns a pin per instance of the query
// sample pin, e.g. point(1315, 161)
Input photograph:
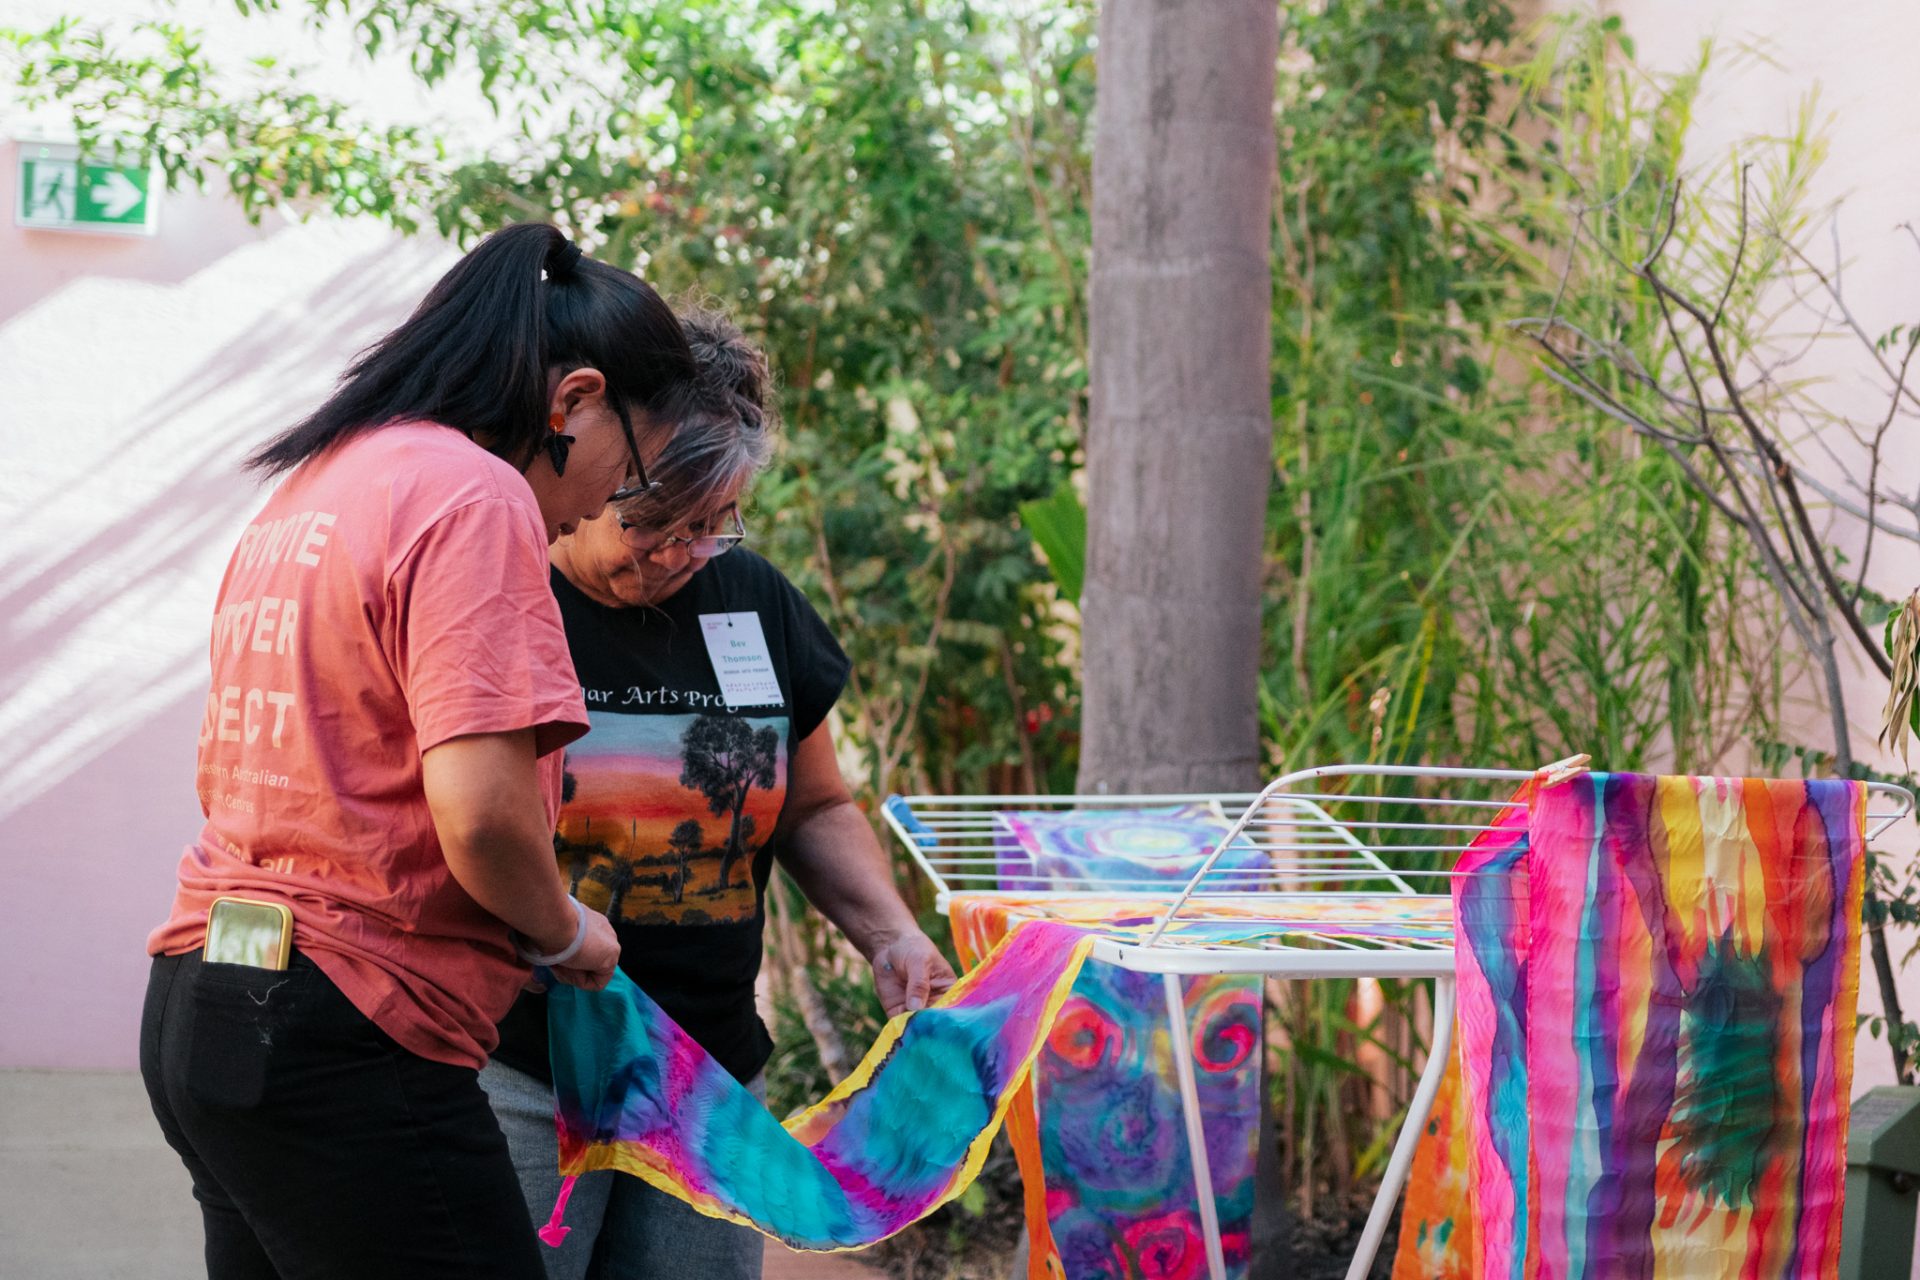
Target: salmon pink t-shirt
point(391, 595)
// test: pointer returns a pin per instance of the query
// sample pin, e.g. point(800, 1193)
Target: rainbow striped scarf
point(1657, 987)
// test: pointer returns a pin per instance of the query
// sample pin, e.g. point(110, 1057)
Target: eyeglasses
point(647, 542)
point(642, 484)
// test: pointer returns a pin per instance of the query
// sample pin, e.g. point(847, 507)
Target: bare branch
point(1858, 512)
point(1686, 363)
point(1666, 236)
point(1605, 404)
point(1900, 389)
point(1623, 358)
point(1597, 396)
point(1781, 476)
point(1740, 249)
point(1873, 463)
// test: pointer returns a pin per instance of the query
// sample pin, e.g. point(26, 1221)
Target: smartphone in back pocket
point(243, 931)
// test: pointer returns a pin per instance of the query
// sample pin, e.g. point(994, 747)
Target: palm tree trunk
point(1180, 441)
point(1179, 450)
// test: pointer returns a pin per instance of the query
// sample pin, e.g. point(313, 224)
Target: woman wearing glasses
point(708, 680)
point(381, 757)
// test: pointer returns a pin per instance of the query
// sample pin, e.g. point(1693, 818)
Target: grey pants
point(622, 1228)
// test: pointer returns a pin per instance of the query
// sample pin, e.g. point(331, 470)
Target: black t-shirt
point(670, 803)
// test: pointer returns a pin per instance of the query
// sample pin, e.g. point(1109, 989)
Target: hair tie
point(561, 260)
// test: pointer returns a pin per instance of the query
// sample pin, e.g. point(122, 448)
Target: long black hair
point(478, 352)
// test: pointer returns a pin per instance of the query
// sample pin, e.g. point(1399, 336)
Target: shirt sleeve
point(475, 632)
point(817, 666)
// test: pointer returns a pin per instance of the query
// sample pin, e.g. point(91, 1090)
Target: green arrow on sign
point(59, 191)
point(113, 195)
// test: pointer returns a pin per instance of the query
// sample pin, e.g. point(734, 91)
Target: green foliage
point(150, 92)
point(1389, 438)
point(878, 194)
point(1392, 443)
point(1470, 567)
point(795, 1078)
point(1633, 631)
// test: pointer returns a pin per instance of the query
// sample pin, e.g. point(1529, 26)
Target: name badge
point(737, 647)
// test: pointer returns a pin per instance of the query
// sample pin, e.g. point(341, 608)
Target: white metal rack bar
point(1196, 1128)
point(1319, 901)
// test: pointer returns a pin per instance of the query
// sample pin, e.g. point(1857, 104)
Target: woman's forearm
point(483, 791)
point(838, 863)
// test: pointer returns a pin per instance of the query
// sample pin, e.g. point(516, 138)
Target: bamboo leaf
point(1059, 527)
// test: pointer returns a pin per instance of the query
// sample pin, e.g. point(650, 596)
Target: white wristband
point(558, 957)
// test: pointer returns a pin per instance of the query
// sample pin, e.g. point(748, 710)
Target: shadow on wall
point(123, 502)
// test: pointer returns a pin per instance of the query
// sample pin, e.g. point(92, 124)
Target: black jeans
point(318, 1146)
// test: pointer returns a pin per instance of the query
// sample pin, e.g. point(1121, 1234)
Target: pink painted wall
point(134, 375)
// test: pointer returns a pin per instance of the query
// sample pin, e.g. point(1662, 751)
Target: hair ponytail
point(478, 351)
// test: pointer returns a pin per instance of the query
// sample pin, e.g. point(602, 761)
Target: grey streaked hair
point(726, 437)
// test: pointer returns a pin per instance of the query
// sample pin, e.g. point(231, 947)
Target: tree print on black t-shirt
point(724, 759)
point(662, 815)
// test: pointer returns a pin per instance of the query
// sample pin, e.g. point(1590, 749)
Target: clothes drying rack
point(1338, 837)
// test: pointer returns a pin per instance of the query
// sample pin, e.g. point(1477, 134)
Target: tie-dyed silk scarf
point(909, 1129)
point(902, 1135)
point(1657, 987)
point(1098, 1130)
point(1099, 1133)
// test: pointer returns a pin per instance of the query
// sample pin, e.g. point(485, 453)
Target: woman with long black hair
point(381, 757)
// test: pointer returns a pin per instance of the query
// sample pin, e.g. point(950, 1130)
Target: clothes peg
point(1562, 770)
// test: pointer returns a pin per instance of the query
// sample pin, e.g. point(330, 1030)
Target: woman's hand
point(484, 793)
point(592, 966)
point(910, 972)
point(833, 856)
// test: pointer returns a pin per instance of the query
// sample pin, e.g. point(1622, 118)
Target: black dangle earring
point(558, 443)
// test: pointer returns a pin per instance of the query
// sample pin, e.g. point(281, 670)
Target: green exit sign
point(61, 191)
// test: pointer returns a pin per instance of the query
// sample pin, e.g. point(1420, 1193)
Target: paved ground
point(90, 1191)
